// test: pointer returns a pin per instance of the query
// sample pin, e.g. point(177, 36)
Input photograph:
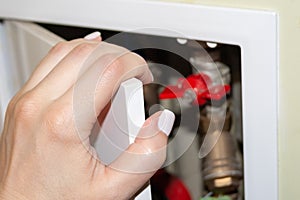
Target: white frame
point(256, 32)
point(4, 91)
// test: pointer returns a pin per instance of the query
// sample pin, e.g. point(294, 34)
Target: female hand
point(44, 148)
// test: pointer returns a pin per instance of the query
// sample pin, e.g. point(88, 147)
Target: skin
point(43, 153)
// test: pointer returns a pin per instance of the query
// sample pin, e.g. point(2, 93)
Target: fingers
point(97, 85)
point(56, 54)
point(85, 74)
point(68, 69)
point(140, 161)
point(78, 62)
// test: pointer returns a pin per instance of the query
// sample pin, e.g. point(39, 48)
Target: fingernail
point(93, 35)
point(166, 121)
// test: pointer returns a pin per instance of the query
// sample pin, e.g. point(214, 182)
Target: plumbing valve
point(197, 89)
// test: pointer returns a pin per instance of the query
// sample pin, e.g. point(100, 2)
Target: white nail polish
point(166, 121)
point(92, 36)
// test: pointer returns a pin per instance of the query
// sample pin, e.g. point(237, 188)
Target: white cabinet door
point(27, 44)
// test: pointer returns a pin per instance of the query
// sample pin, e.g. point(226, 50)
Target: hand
point(44, 148)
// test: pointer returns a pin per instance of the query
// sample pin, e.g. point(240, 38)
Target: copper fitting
point(221, 170)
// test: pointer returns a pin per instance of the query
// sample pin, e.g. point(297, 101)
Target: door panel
point(28, 43)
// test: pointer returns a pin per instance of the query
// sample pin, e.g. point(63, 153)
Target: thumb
point(145, 156)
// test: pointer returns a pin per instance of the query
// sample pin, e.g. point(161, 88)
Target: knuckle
point(56, 120)
point(58, 123)
point(25, 108)
point(83, 49)
point(137, 57)
point(113, 63)
point(116, 63)
point(130, 60)
point(12, 102)
point(10, 106)
point(60, 47)
point(134, 56)
point(111, 57)
point(123, 65)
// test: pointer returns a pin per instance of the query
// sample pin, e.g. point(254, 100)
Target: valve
point(197, 89)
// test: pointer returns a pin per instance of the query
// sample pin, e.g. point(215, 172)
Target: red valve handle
point(197, 89)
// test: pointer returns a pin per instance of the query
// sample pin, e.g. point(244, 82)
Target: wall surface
point(289, 92)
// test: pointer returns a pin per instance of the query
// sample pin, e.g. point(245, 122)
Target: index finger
point(96, 87)
point(49, 62)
